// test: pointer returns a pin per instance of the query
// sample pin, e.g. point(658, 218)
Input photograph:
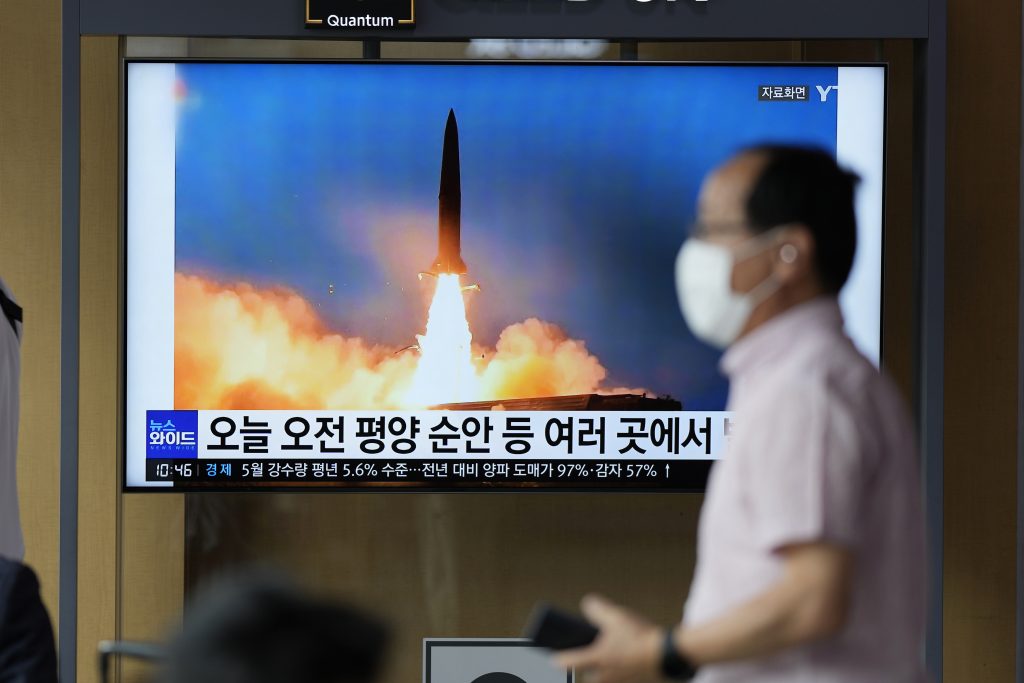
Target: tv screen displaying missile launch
point(446, 276)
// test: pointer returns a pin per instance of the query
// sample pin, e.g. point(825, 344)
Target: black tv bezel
point(126, 63)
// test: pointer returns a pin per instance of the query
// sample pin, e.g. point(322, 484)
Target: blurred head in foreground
point(260, 628)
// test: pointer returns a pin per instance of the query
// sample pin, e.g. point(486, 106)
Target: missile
point(449, 206)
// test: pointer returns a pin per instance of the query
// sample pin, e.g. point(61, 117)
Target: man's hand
point(627, 650)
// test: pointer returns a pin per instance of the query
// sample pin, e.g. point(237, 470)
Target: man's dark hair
point(259, 628)
point(805, 185)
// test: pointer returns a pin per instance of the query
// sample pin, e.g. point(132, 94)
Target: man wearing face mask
point(810, 559)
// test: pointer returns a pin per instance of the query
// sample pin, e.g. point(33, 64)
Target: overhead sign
point(516, 19)
point(360, 14)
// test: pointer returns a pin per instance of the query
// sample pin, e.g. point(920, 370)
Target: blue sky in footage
point(578, 183)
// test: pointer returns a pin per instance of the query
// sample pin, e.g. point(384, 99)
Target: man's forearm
point(785, 615)
point(760, 627)
point(807, 602)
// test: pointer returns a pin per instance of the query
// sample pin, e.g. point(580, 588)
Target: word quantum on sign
point(388, 14)
point(336, 21)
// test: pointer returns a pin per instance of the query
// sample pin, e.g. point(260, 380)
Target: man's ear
point(793, 254)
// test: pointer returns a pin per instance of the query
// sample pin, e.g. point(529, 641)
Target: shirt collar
point(776, 336)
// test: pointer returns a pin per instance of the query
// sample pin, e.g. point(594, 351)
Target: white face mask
point(715, 313)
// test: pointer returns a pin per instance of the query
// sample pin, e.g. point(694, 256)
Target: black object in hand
point(555, 629)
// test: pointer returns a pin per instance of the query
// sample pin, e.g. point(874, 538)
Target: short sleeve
point(803, 477)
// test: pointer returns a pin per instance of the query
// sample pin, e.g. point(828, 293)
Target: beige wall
point(30, 259)
point(982, 269)
point(130, 566)
point(98, 369)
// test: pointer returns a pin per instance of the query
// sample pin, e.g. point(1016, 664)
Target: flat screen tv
point(445, 275)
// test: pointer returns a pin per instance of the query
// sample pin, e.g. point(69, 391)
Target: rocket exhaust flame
point(241, 347)
point(445, 372)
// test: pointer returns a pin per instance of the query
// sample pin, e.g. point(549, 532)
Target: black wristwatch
point(673, 664)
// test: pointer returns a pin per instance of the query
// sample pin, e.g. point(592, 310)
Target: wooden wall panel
point(249, 48)
point(753, 51)
point(152, 582)
point(982, 180)
point(130, 546)
point(99, 470)
point(30, 260)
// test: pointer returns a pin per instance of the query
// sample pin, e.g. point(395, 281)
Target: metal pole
point(1020, 399)
point(67, 625)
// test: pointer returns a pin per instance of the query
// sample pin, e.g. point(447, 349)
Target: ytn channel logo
point(172, 433)
point(825, 90)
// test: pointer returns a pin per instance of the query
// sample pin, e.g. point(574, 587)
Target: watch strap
point(674, 665)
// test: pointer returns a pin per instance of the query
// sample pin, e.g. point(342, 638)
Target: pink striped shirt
point(822, 450)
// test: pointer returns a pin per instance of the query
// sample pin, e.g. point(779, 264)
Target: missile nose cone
point(449, 205)
point(450, 174)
